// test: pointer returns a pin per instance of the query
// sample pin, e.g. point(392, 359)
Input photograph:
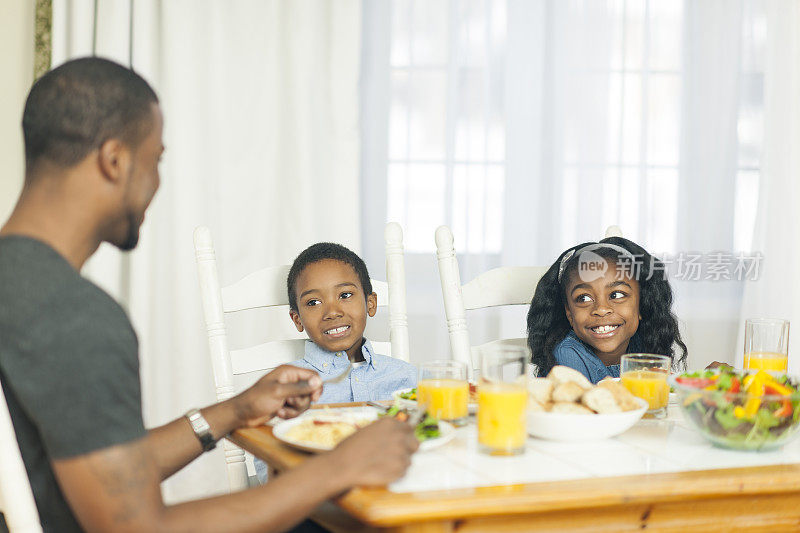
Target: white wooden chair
point(266, 288)
point(16, 498)
point(495, 287)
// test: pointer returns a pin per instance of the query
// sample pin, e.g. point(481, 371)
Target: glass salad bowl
point(742, 410)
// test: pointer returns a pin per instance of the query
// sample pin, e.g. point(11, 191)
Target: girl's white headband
point(589, 248)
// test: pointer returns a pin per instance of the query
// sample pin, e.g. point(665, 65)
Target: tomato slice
point(699, 383)
point(785, 410)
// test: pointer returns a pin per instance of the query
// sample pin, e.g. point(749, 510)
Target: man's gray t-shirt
point(69, 367)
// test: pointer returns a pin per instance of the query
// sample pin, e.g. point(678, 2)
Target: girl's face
point(604, 313)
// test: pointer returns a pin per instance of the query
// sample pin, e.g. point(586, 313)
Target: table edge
point(381, 507)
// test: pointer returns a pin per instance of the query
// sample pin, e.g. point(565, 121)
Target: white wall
point(16, 64)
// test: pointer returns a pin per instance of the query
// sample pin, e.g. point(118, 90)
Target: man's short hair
point(76, 107)
point(320, 252)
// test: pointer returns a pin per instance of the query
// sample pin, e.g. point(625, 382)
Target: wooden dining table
point(658, 476)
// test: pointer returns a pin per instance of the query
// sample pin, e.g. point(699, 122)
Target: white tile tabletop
point(649, 447)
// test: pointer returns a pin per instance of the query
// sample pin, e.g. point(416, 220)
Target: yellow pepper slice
point(739, 412)
point(756, 380)
point(754, 401)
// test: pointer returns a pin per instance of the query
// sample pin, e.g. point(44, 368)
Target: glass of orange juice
point(766, 344)
point(645, 375)
point(502, 399)
point(443, 388)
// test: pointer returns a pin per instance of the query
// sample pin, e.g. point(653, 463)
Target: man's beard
point(132, 239)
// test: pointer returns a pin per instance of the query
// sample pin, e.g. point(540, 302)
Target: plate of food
point(320, 430)
point(405, 397)
point(565, 406)
point(408, 398)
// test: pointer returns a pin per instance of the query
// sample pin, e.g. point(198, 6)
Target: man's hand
point(376, 455)
point(286, 392)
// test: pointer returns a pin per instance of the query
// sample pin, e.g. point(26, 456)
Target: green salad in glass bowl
point(743, 410)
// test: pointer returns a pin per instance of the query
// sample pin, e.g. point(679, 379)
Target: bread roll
point(570, 408)
point(600, 400)
point(535, 406)
point(540, 389)
point(625, 400)
point(563, 374)
point(567, 392)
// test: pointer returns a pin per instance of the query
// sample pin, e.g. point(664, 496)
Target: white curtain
point(581, 115)
point(777, 233)
point(260, 101)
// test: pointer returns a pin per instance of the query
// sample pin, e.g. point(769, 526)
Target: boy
point(330, 297)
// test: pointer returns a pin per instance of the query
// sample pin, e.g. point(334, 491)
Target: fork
point(341, 377)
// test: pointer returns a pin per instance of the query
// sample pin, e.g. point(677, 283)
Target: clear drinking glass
point(443, 387)
point(766, 344)
point(502, 400)
point(645, 375)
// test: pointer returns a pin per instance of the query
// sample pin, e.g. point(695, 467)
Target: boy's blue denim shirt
point(575, 354)
point(376, 379)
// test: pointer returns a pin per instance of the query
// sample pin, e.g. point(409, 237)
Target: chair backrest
point(266, 288)
point(495, 287)
point(16, 498)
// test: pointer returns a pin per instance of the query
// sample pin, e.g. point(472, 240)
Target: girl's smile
point(603, 332)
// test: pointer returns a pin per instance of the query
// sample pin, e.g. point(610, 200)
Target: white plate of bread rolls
point(565, 406)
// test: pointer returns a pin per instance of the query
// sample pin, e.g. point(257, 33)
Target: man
point(69, 356)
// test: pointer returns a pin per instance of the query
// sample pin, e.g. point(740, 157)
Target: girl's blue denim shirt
point(572, 352)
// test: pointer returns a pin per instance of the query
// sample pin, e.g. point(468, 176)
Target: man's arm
point(117, 488)
point(286, 391)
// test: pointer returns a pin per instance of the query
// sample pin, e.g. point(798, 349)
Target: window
point(446, 129)
point(617, 122)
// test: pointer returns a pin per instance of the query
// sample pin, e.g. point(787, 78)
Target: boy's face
point(331, 306)
point(604, 313)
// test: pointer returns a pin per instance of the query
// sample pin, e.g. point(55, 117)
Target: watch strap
point(201, 429)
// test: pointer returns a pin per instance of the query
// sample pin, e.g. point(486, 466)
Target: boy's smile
point(332, 307)
point(604, 313)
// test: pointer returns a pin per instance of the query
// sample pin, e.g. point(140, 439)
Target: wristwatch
point(201, 429)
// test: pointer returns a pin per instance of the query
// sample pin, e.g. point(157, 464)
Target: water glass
point(502, 400)
point(766, 344)
point(645, 376)
point(442, 386)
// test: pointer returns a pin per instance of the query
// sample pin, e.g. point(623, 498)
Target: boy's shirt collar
point(326, 362)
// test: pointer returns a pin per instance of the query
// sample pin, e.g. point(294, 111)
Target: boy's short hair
point(319, 252)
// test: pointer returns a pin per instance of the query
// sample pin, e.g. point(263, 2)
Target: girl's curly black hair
point(658, 328)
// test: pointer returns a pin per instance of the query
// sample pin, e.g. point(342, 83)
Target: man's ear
point(114, 159)
point(295, 316)
point(372, 304)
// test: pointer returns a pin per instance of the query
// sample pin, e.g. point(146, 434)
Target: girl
point(597, 302)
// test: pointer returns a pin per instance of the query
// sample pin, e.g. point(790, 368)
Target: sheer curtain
point(260, 101)
point(530, 126)
point(777, 232)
